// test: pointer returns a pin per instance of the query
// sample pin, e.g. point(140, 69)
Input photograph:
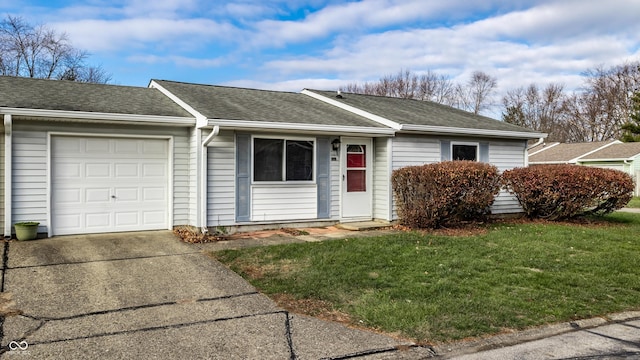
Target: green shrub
point(430, 196)
point(558, 192)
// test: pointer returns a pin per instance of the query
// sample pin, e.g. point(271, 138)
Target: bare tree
point(408, 85)
point(541, 110)
point(600, 110)
point(476, 95)
point(41, 52)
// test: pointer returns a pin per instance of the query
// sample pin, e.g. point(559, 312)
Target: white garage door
point(108, 184)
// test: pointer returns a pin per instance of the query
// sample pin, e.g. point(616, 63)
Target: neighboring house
point(619, 156)
point(564, 153)
point(88, 158)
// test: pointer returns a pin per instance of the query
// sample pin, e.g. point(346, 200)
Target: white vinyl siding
point(506, 156)
point(29, 177)
point(221, 182)
point(415, 150)
point(381, 179)
point(282, 203)
point(411, 151)
point(408, 151)
point(30, 165)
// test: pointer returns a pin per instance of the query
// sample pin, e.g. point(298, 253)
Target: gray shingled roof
point(231, 103)
point(563, 153)
point(615, 151)
point(27, 93)
point(417, 112)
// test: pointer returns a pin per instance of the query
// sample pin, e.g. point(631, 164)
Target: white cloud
point(543, 44)
point(179, 34)
point(288, 85)
point(179, 61)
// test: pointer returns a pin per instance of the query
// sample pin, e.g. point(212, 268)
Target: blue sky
point(293, 44)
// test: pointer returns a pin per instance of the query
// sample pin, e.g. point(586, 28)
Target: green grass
point(634, 203)
point(442, 288)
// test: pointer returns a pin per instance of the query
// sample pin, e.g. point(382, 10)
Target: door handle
point(113, 196)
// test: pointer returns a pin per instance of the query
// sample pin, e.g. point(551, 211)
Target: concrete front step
point(363, 225)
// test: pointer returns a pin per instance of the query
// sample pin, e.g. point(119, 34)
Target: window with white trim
point(283, 160)
point(464, 151)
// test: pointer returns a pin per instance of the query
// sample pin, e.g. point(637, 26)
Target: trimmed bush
point(557, 192)
point(430, 196)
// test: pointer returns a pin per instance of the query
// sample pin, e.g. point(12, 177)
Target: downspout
point(540, 141)
point(8, 208)
point(203, 179)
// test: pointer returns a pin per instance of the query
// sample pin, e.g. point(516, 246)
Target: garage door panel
point(98, 220)
point(127, 146)
point(96, 145)
point(108, 185)
point(154, 194)
point(126, 170)
point(130, 218)
point(98, 170)
point(69, 196)
point(154, 170)
point(98, 195)
point(67, 170)
point(127, 194)
point(154, 147)
point(153, 217)
point(71, 146)
point(69, 222)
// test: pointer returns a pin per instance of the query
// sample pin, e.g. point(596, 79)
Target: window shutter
point(445, 150)
point(323, 172)
point(243, 177)
point(484, 152)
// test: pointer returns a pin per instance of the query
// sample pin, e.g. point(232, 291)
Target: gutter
point(444, 130)
point(84, 115)
point(203, 179)
point(540, 141)
point(282, 126)
point(8, 185)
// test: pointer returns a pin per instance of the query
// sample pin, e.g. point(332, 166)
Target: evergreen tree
point(632, 128)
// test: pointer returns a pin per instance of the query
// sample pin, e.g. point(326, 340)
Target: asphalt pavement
point(146, 295)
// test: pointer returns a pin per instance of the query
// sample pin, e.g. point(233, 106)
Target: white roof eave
point(93, 116)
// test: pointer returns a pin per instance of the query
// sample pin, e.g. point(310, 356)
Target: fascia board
point(581, 160)
point(545, 148)
point(549, 162)
point(201, 120)
point(443, 130)
point(83, 115)
point(266, 125)
point(354, 110)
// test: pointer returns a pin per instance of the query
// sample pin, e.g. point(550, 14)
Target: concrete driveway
point(149, 296)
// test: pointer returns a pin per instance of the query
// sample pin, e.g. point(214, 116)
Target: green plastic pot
point(27, 230)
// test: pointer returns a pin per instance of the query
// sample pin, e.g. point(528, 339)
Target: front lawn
point(440, 288)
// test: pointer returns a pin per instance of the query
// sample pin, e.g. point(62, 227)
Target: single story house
point(619, 156)
point(564, 153)
point(90, 158)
